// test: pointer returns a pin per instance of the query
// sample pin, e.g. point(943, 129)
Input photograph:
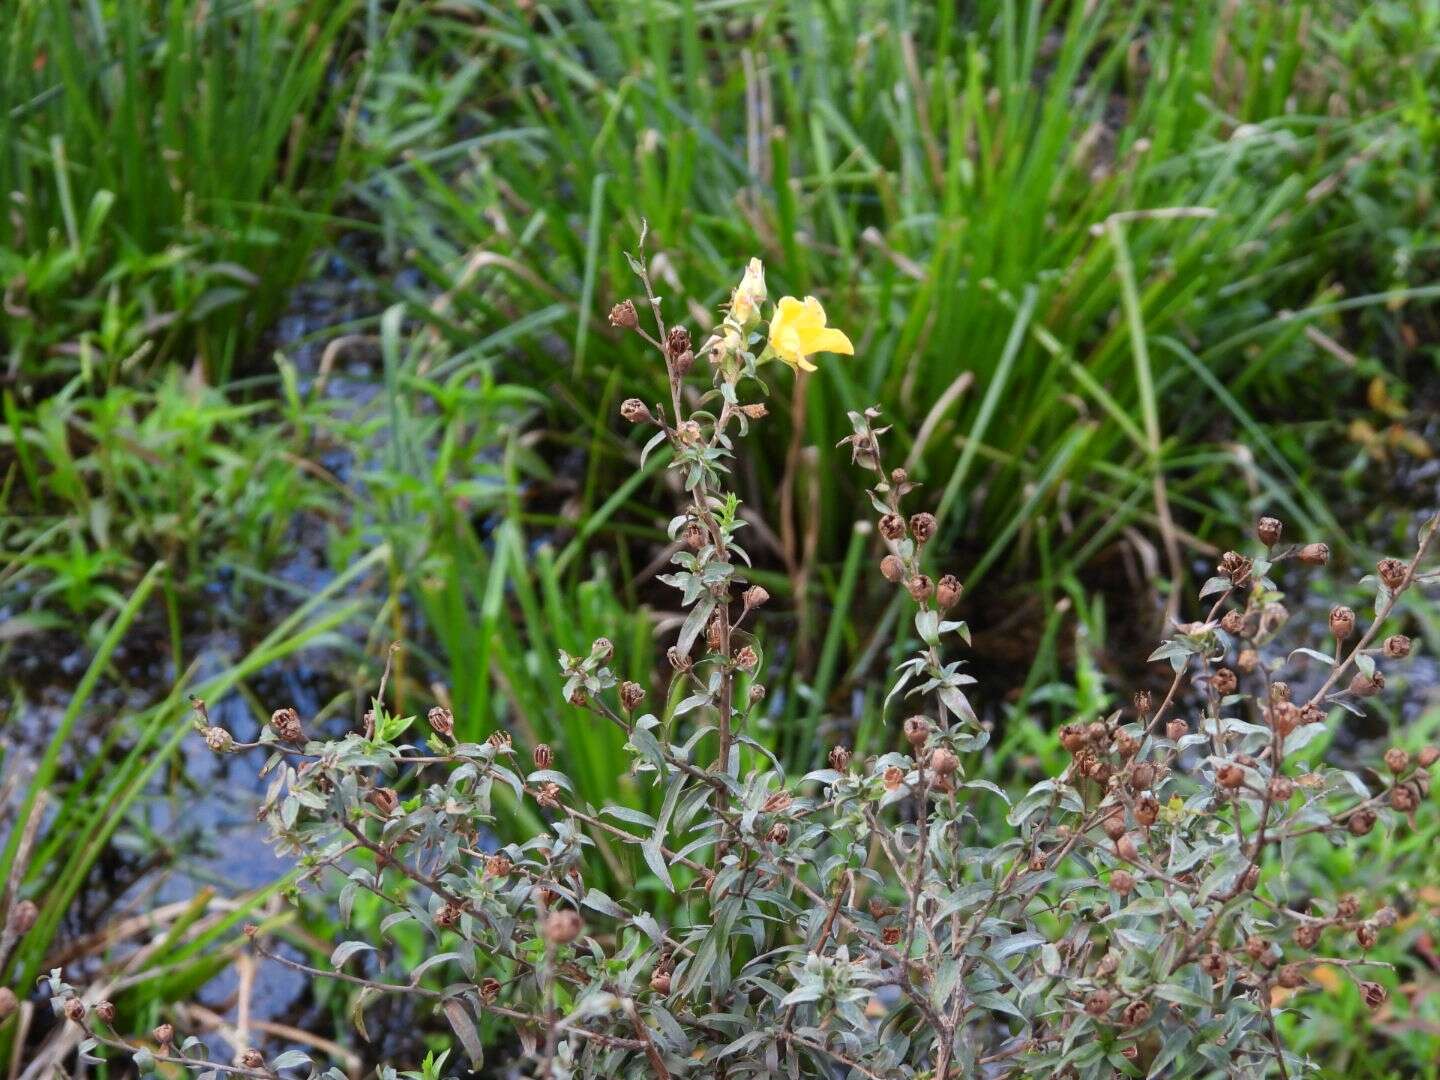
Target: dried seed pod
point(489, 990)
point(548, 795)
point(756, 410)
point(1233, 622)
point(1373, 994)
point(1248, 660)
point(23, 915)
point(1397, 759)
point(1176, 729)
point(1387, 917)
point(1230, 775)
point(624, 315)
point(660, 981)
point(1135, 1013)
point(1126, 745)
point(635, 411)
point(1073, 738)
point(1237, 568)
point(602, 649)
point(1283, 717)
point(879, 909)
point(1224, 681)
point(1348, 907)
point(1291, 977)
point(1307, 935)
point(678, 342)
point(1256, 947)
point(776, 802)
point(890, 935)
point(1392, 573)
point(1269, 530)
point(500, 740)
point(1366, 935)
point(1311, 714)
point(1114, 824)
point(922, 527)
point(1342, 622)
point(498, 865)
point(755, 596)
point(1142, 776)
point(384, 799)
point(1098, 734)
point(893, 777)
point(692, 536)
point(105, 1010)
point(286, 723)
point(447, 916)
point(917, 730)
point(892, 568)
point(1144, 705)
point(1097, 1002)
point(757, 693)
point(1403, 798)
point(1315, 554)
point(251, 1059)
point(1251, 879)
point(779, 833)
point(948, 592)
point(1126, 848)
point(943, 761)
point(542, 756)
point(1281, 788)
point(920, 587)
point(631, 695)
point(892, 527)
point(442, 721)
point(563, 926)
point(74, 1009)
point(746, 658)
point(1122, 881)
point(1397, 646)
point(1361, 822)
point(218, 739)
point(1427, 756)
point(839, 758)
point(1147, 809)
point(715, 632)
point(1280, 691)
point(1363, 685)
point(164, 1034)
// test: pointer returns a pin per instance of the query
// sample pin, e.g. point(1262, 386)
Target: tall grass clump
point(168, 169)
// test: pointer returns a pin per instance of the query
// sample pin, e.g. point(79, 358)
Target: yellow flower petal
point(798, 331)
point(835, 341)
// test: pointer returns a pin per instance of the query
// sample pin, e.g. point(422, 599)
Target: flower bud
point(74, 1009)
point(1269, 530)
point(542, 756)
point(442, 721)
point(1392, 573)
point(922, 527)
point(839, 758)
point(164, 1034)
point(892, 527)
point(948, 591)
point(920, 587)
point(635, 411)
point(1315, 554)
point(563, 926)
point(286, 723)
point(624, 315)
point(1342, 622)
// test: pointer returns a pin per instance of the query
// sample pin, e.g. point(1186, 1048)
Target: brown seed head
point(1403, 798)
point(892, 527)
point(1147, 809)
point(1224, 681)
point(1122, 881)
point(756, 410)
point(1283, 717)
point(105, 1010)
point(447, 916)
point(1269, 530)
point(1281, 788)
point(1126, 848)
point(1214, 964)
point(1237, 568)
point(1097, 1003)
point(1342, 622)
point(164, 1034)
point(548, 795)
point(1135, 1013)
point(839, 758)
point(1230, 775)
point(542, 756)
point(660, 981)
point(1397, 646)
point(777, 802)
point(1397, 759)
point(692, 536)
point(74, 1009)
point(920, 587)
point(1361, 822)
point(893, 777)
point(1427, 756)
point(1144, 703)
point(499, 739)
point(498, 865)
point(624, 315)
point(1307, 935)
point(1363, 685)
point(1126, 745)
point(943, 761)
point(755, 596)
point(563, 926)
point(1392, 573)
point(1291, 977)
point(757, 693)
point(1072, 737)
point(779, 833)
point(1373, 994)
point(892, 568)
point(218, 739)
point(1176, 729)
point(286, 723)
point(442, 721)
point(1348, 907)
point(252, 1059)
point(922, 527)
point(631, 695)
point(917, 730)
point(948, 592)
point(1315, 554)
point(384, 799)
point(1257, 947)
point(1366, 935)
point(635, 411)
point(747, 659)
point(489, 990)
point(23, 915)
point(1233, 622)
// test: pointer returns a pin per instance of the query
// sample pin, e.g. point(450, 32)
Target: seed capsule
point(1224, 681)
point(943, 761)
point(892, 568)
point(920, 588)
point(1176, 730)
point(1291, 977)
point(74, 1009)
point(839, 758)
point(624, 315)
point(917, 730)
point(1363, 685)
point(1397, 646)
point(631, 695)
point(105, 1010)
point(922, 527)
point(1342, 622)
point(948, 591)
point(442, 721)
point(1397, 759)
point(562, 927)
point(1392, 573)
point(1122, 881)
point(286, 723)
point(1315, 554)
point(635, 411)
point(542, 756)
point(1269, 530)
point(1135, 1013)
point(892, 527)
point(1374, 994)
point(252, 1059)
point(164, 1034)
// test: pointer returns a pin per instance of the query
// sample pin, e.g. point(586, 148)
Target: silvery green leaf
point(346, 949)
point(291, 1059)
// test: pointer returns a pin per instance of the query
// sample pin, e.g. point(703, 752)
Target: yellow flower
point(798, 331)
point(745, 301)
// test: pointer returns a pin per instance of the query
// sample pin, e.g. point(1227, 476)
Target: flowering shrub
point(858, 921)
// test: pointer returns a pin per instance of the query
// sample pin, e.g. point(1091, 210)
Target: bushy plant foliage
point(862, 920)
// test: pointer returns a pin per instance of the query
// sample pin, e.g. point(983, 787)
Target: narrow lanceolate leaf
point(464, 1028)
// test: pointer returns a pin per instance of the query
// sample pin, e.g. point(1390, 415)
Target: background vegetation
point(304, 353)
